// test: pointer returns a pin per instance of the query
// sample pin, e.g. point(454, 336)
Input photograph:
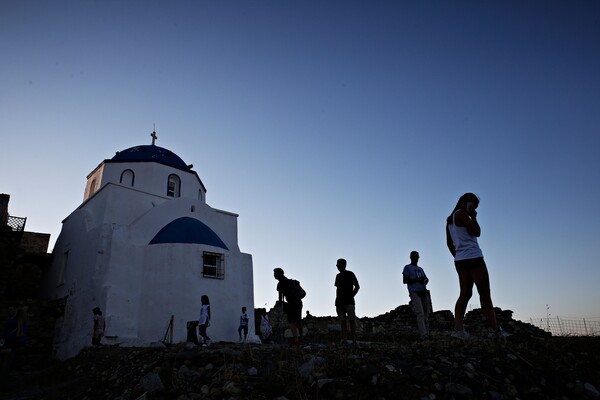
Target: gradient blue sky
point(334, 128)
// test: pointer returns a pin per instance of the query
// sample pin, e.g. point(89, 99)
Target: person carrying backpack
point(293, 293)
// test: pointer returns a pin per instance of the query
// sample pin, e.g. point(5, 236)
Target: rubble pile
point(387, 363)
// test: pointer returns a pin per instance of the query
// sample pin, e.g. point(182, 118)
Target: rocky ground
point(389, 362)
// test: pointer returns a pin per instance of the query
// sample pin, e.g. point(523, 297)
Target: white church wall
point(132, 204)
point(153, 178)
point(172, 278)
point(72, 247)
point(128, 205)
point(79, 276)
point(111, 265)
point(123, 286)
point(144, 285)
point(173, 285)
point(122, 204)
point(223, 223)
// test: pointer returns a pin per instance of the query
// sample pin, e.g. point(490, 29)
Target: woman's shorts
point(469, 264)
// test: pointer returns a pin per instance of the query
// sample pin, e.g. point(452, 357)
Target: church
point(144, 246)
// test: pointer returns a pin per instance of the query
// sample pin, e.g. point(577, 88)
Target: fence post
point(559, 326)
point(585, 326)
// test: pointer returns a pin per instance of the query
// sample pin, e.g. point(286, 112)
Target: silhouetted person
point(293, 309)
point(265, 327)
point(99, 327)
point(346, 288)
point(462, 231)
point(416, 280)
point(15, 337)
point(243, 325)
point(204, 320)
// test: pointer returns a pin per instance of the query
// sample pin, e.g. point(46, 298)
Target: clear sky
point(333, 128)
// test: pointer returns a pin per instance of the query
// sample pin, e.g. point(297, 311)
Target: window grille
point(213, 265)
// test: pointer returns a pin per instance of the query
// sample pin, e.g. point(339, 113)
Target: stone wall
point(33, 242)
point(23, 258)
point(4, 199)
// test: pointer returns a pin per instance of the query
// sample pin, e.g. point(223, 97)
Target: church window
point(173, 186)
point(127, 178)
point(213, 265)
point(93, 186)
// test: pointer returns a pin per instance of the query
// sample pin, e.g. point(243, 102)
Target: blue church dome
point(151, 153)
point(188, 230)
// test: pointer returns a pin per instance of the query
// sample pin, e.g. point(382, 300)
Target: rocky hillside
point(389, 362)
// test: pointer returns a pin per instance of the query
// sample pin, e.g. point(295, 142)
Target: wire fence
point(567, 327)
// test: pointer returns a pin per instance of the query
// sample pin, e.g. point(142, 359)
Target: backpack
point(295, 291)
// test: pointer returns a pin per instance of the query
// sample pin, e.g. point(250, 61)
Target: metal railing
point(17, 224)
point(568, 327)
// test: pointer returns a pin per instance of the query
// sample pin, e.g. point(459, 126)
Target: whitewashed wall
point(140, 286)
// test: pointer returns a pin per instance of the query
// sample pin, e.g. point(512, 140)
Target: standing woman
point(204, 321)
point(462, 231)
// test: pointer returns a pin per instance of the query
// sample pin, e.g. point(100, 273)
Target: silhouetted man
point(347, 287)
point(416, 280)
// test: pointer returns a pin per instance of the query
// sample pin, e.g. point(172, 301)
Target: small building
point(144, 246)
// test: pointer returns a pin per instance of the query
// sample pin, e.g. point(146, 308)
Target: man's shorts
point(294, 312)
point(469, 264)
point(346, 312)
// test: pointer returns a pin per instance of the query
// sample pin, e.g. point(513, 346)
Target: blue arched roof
point(188, 230)
point(146, 153)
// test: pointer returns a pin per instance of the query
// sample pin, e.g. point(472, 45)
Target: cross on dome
point(154, 137)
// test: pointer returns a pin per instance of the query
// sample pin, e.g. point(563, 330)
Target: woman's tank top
point(465, 244)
